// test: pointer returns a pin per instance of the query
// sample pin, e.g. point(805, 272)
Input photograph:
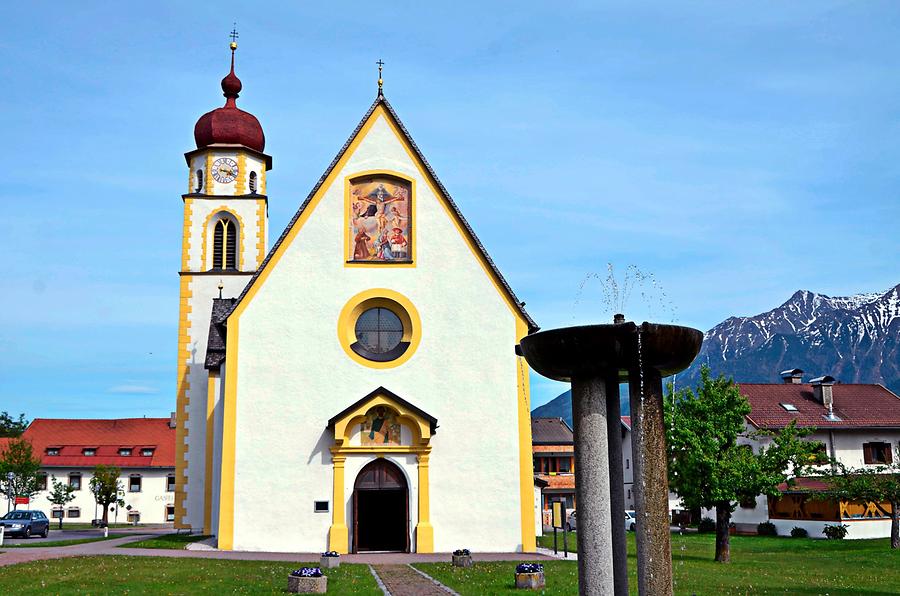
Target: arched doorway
point(380, 508)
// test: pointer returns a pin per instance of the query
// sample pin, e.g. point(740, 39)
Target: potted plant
point(307, 580)
point(462, 558)
point(330, 560)
point(530, 576)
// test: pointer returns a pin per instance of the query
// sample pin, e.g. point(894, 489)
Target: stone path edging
point(378, 582)
point(436, 582)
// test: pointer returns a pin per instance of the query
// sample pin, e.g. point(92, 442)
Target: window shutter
point(888, 456)
point(218, 237)
point(867, 453)
point(230, 248)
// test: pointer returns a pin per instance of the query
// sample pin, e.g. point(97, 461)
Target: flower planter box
point(530, 581)
point(330, 562)
point(462, 561)
point(307, 585)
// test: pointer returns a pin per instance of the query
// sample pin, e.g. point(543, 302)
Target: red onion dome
point(229, 124)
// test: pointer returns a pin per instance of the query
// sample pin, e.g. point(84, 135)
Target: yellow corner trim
point(526, 463)
point(397, 303)
point(229, 426)
point(207, 482)
point(412, 218)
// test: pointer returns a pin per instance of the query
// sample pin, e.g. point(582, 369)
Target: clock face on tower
point(224, 170)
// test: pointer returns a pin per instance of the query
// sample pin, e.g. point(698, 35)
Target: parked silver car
point(630, 520)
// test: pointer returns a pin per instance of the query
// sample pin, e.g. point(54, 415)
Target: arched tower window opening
point(253, 183)
point(225, 245)
point(199, 181)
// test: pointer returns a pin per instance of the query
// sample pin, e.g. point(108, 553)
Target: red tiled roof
point(72, 436)
point(804, 484)
point(857, 406)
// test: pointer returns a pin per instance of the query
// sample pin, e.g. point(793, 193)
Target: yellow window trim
point(398, 304)
point(412, 218)
point(240, 240)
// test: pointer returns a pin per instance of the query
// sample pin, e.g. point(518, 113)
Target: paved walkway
point(13, 556)
point(403, 580)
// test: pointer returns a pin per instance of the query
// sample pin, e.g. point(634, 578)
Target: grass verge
point(164, 575)
point(33, 543)
point(172, 541)
point(760, 565)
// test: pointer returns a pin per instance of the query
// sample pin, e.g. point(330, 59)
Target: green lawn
point(760, 565)
point(176, 541)
point(36, 543)
point(161, 575)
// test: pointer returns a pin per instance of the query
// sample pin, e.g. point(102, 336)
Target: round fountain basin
point(590, 350)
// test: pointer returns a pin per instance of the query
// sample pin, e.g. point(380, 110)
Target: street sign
point(22, 500)
point(558, 510)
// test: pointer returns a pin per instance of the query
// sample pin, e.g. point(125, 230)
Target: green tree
point(19, 470)
point(711, 461)
point(61, 494)
point(873, 484)
point(12, 427)
point(106, 487)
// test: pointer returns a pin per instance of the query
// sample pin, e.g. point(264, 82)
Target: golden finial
point(380, 64)
point(221, 287)
point(234, 36)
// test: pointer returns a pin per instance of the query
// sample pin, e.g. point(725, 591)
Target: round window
point(378, 330)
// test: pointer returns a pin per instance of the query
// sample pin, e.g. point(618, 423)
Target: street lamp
point(9, 488)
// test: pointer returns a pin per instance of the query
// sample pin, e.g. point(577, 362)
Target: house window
point(629, 493)
point(134, 516)
point(52, 450)
point(877, 453)
point(56, 514)
point(75, 481)
point(564, 465)
point(42, 481)
point(199, 181)
point(134, 483)
point(748, 503)
point(379, 332)
point(89, 452)
point(253, 183)
point(320, 506)
point(170, 513)
point(125, 451)
point(73, 512)
point(147, 452)
point(225, 244)
point(627, 463)
point(170, 483)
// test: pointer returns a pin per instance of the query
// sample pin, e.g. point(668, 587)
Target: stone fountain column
point(592, 490)
point(617, 485)
point(651, 482)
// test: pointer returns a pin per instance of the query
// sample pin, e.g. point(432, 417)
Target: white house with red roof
point(856, 424)
point(143, 448)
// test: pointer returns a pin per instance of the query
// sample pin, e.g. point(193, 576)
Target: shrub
point(461, 552)
point(766, 529)
point(837, 532)
point(331, 553)
point(307, 572)
point(798, 532)
point(706, 525)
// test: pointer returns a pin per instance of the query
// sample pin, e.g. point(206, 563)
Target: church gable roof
point(382, 102)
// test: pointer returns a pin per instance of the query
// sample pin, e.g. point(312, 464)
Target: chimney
point(172, 420)
point(793, 376)
point(822, 391)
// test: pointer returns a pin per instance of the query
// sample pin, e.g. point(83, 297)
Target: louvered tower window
point(253, 183)
point(199, 181)
point(225, 245)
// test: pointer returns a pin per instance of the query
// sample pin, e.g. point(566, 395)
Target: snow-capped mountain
point(855, 339)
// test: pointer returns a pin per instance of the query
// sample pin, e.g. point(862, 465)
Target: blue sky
point(738, 152)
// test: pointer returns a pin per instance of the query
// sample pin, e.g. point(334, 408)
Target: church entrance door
point(380, 508)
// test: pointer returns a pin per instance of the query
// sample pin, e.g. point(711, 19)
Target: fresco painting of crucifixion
point(379, 220)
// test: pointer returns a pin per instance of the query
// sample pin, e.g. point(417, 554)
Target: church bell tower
point(223, 244)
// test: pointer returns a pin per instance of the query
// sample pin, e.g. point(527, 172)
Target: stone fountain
point(595, 359)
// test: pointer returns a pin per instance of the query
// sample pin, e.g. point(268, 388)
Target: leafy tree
point(61, 494)
point(19, 470)
point(106, 487)
point(710, 468)
point(878, 484)
point(12, 427)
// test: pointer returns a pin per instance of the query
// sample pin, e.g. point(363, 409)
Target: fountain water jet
point(594, 359)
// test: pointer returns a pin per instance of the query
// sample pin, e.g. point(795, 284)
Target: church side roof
point(215, 345)
point(382, 101)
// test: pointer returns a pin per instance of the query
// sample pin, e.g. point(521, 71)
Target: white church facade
point(354, 387)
